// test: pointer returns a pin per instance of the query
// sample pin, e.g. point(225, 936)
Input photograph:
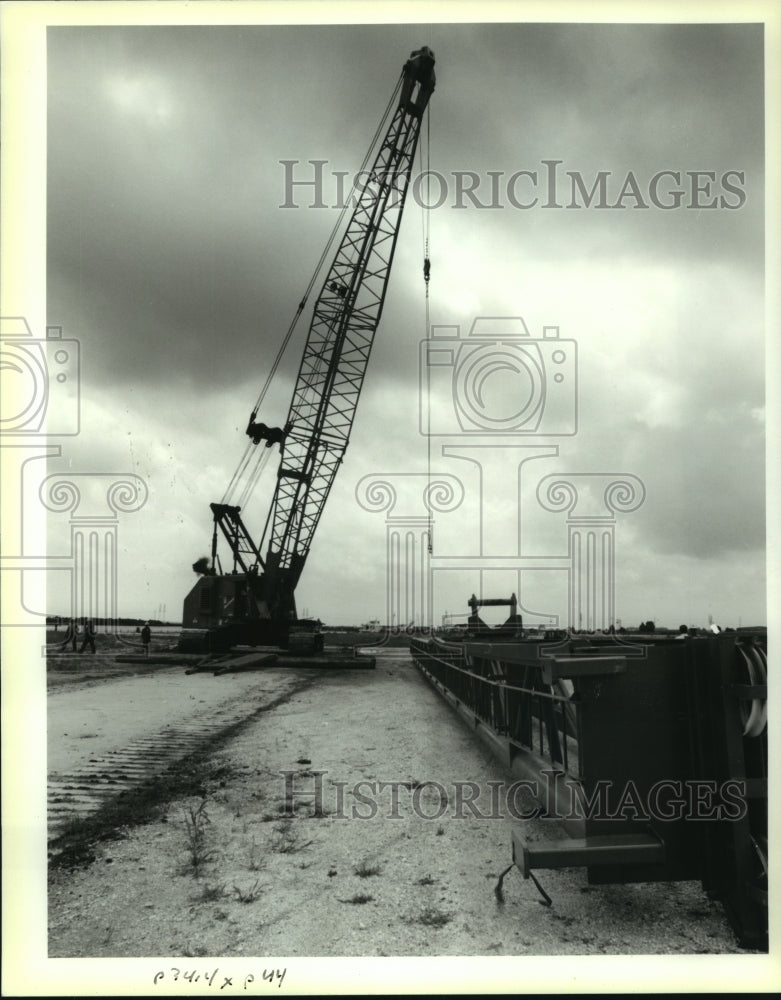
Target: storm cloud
point(170, 258)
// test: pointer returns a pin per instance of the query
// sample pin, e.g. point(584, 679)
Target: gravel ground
point(225, 872)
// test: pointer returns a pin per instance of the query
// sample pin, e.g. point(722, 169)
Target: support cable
point(261, 461)
point(327, 248)
point(244, 461)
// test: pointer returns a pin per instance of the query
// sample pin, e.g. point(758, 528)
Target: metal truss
point(330, 377)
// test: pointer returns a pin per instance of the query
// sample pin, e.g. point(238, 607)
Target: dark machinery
point(646, 755)
point(513, 627)
point(254, 603)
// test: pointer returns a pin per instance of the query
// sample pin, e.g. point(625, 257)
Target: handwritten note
point(218, 979)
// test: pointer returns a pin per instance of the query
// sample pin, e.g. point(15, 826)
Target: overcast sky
point(171, 261)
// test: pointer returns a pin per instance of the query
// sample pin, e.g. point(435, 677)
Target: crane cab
point(224, 611)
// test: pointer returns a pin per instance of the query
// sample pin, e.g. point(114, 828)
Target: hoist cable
point(427, 278)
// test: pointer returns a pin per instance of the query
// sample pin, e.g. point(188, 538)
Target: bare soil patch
point(226, 864)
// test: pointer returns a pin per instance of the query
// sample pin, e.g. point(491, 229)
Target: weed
point(284, 839)
point(248, 895)
point(440, 830)
point(196, 819)
point(431, 916)
point(255, 865)
point(426, 880)
point(365, 870)
point(358, 899)
point(210, 894)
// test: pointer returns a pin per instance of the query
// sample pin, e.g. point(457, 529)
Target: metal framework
point(245, 552)
point(332, 369)
point(651, 753)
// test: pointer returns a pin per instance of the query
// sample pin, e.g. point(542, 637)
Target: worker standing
point(146, 636)
point(70, 635)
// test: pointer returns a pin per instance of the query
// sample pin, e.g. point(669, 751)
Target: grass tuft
point(365, 870)
point(285, 839)
point(432, 916)
point(255, 864)
point(210, 894)
point(196, 819)
point(248, 895)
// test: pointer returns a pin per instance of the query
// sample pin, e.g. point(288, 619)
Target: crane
point(254, 602)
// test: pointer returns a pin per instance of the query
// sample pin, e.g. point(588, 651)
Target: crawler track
point(103, 779)
point(84, 791)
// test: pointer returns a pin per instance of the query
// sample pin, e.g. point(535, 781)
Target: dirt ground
point(151, 700)
point(226, 871)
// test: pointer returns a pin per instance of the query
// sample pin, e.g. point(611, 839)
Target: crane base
point(202, 640)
